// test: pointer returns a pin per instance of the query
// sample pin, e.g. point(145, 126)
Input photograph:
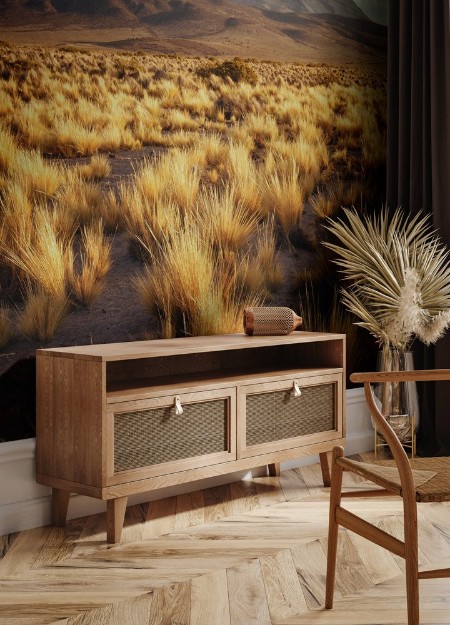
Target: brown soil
point(117, 314)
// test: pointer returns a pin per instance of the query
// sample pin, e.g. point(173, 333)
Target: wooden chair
point(422, 479)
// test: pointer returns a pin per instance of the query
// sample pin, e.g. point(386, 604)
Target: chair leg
point(411, 561)
point(335, 500)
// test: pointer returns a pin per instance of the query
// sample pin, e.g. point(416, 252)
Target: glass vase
point(398, 401)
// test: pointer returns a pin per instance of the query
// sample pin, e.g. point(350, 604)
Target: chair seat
point(431, 476)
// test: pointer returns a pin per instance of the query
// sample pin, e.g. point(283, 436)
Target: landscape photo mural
point(164, 164)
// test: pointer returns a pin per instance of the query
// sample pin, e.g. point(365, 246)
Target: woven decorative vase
point(270, 320)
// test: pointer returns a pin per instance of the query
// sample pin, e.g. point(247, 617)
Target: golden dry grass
point(42, 261)
point(233, 155)
point(42, 315)
point(95, 261)
point(99, 167)
point(284, 197)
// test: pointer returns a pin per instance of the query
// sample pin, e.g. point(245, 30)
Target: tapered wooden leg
point(274, 469)
point(411, 561)
point(335, 500)
point(115, 515)
point(60, 504)
point(324, 465)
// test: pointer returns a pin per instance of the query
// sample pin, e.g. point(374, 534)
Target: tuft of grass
point(74, 139)
point(193, 288)
point(42, 260)
point(231, 223)
point(82, 200)
point(284, 198)
point(98, 168)
point(42, 315)
point(148, 218)
point(325, 204)
point(8, 150)
point(262, 272)
point(95, 263)
point(245, 178)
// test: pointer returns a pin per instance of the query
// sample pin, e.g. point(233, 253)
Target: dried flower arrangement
point(399, 276)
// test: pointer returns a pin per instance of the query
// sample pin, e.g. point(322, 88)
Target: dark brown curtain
point(418, 162)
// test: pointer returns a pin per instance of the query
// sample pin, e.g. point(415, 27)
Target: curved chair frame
point(407, 549)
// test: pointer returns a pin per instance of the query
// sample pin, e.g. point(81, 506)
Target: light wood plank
point(134, 523)
point(312, 476)
point(380, 564)
point(210, 600)
point(269, 491)
point(56, 547)
point(311, 563)
point(243, 497)
point(217, 503)
point(134, 612)
point(235, 568)
point(248, 597)
point(189, 510)
point(23, 552)
point(284, 593)
point(293, 485)
point(6, 543)
point(171, 605)
point(160, 518)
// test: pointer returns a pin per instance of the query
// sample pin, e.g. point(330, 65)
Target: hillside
point(295, 30)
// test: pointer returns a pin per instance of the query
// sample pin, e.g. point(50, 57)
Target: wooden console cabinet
point(124, 418)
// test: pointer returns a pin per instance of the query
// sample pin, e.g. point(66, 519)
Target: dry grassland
point(241, 164)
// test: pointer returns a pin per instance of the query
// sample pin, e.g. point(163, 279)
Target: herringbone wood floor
point(249, 553)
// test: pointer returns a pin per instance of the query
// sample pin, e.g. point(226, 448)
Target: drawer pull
point(296, 389)
point(178, 407)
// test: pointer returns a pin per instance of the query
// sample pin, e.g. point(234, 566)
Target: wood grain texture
point(115, 515)
point(84, 393)
point(248, 597)
point(189, 510)
point(246, 564)
point(210, 599)
point(160, 518)
point(171, 605)
point(216, 502)
point(283, 590)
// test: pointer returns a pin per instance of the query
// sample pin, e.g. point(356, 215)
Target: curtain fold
point(418, 161)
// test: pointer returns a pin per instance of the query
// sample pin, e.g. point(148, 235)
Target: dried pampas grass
point(399, 276)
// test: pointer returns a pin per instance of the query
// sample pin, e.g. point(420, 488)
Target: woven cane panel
point(279, 415)
point(148, 437)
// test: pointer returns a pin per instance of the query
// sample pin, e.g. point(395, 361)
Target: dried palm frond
point(399, 275)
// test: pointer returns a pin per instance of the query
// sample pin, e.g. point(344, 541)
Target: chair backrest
point(398, 453)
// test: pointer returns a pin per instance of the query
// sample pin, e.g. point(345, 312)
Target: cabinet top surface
point(171, 347)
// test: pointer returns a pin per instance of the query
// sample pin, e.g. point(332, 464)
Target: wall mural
point(165, 163)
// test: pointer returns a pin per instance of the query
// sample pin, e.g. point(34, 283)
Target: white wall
point(25, 504)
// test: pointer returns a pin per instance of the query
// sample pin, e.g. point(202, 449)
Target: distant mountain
point(376, 10)
point(283, 30)
point(345, 8)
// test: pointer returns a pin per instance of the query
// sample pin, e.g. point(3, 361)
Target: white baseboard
point(24, 504)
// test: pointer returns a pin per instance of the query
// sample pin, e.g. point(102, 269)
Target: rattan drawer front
point(280, 415)
point(286, 414)
point(156, 436)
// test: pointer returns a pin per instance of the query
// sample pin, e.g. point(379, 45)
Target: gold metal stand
point(408, 444)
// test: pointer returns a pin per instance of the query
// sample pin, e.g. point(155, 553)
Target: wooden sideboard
point(125, 418)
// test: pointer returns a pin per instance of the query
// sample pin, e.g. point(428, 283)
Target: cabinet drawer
point(284, 414)
point(164, 435)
